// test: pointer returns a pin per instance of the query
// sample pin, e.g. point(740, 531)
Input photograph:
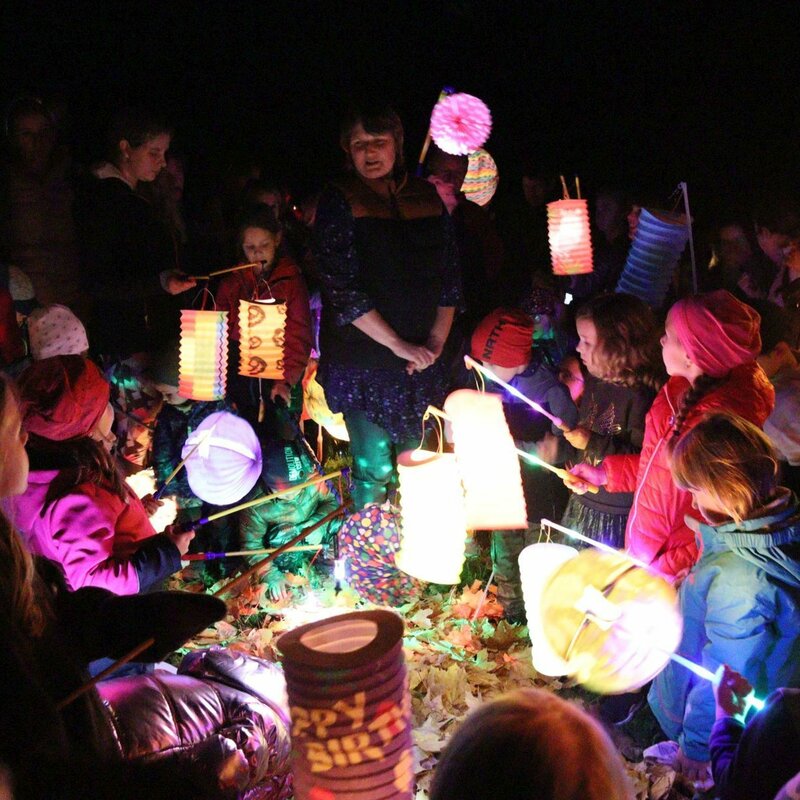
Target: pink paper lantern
point(203, 363)
point(460, 123)
point(570, 241)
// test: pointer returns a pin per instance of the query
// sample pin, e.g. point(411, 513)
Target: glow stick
point(599, 545)
point(473, 364)
point(562, 473)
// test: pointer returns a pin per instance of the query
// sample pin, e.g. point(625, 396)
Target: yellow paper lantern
point(262, 326)
point(434, 533)
point(609, 624)
point(570, 240)
point(203, 361)
point(487, 461)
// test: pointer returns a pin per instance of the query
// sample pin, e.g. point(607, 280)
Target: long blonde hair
point(731, 459)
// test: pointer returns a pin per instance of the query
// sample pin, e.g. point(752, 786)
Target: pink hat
point(717, 331)
point(504, 338)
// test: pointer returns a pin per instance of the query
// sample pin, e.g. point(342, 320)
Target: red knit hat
point(504, 338)
point(62, 397)
point(717, 331)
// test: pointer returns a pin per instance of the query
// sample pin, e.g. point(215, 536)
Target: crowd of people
point(679, 418)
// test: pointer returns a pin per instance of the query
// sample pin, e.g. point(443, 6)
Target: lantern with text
point(203, 360)
point(481, 179)
point(262, 327)
point(598, 617)
point(568, 233)
point(350, 707)
point(434, 529)
point(487, 461)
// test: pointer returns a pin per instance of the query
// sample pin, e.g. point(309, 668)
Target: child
point(741, 601)
point(55, 331)
point(273, 278)
point(531, 743)
point(503, 342)
point(618, 344)
point(709, 351)
point(77, 509)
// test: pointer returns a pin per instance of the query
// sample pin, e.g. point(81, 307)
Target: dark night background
point(642, 94)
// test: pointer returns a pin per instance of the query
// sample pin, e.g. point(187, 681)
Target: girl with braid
point(709, 348)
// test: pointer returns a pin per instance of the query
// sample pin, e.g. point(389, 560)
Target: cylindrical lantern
point(482, 177)
point(223, 458)
point(434, 530)
point(608, 623)
point(487, 461)
point(568, 233)
point(262, 339)
point(350, 707)
point(203, 361)
point(660, 239)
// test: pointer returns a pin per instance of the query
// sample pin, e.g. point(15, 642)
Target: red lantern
point(203, 361)
point(568, 232)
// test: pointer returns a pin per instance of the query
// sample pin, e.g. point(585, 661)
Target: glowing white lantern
point(434, 532)
point(487, 461)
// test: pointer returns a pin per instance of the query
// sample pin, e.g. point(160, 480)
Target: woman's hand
point(732, 693)
point(698, 772)
point(176, 282)
point(417, 356)
point(281, 389)
point(179, 538)
point(547, 448)
point(578, 437)
point(581, 476)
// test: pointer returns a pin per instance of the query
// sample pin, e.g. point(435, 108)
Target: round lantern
point(460, 123)
point(568, 233)
point(660, 239)
point(203, 359)
point(599, 618)
point(350, 708)
point(262, 339)
point(433, 542)
point(487, 461)
point(223, 458)
point(482, 177)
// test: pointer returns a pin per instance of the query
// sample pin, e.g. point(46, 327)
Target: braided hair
point(702, 385)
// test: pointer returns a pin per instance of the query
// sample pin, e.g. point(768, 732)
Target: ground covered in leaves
point(459, 651)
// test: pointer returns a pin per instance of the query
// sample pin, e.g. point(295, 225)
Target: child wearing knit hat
point(503, 341)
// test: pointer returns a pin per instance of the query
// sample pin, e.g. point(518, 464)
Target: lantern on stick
point(350, 707)
point(487, 461)
point(203, 359)
point(262, 326)
point(482, 177)
point(434, 517)
point(460, 123)
point(568, 234)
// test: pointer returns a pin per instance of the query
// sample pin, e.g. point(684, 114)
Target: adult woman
point(129, 254)
point(390, 281)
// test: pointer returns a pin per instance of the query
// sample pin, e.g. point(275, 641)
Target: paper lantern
point(144, 483)
point(460, 123)
point(487, 461)
point(262, 326)
point(434, 529)
point(660, 239)
point(315, 405)
point(598, 617)
point(350, 707)
point(223, 458)
point(568, 233)
point(203, 362)
point(482, 177)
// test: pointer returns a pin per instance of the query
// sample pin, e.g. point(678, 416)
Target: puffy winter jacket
point(96, 538)
point(656, 532)
point(741, 607)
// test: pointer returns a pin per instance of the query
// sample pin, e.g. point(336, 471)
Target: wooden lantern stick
point(564, 188)
point(447, 90)
point(209, 556)
point(224, 271)
point(578, 186)
point(203, 436)
point(562, 473)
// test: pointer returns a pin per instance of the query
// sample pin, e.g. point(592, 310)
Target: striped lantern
point(660, 239)
point(568, 233)
point(487, 461)
point(203, 362)
point(481, 179)
point(350, 707)
point(434, 533)
point(262, 339)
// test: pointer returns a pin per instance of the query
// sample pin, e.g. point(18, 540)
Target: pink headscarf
point(717, 331)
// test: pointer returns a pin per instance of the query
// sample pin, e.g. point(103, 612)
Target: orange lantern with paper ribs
point(203, 360)
point(262, 326)
point(569, 237)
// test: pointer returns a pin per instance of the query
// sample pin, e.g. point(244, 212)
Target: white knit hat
point(55, 331)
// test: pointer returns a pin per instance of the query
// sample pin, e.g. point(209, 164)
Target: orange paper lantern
point(262, 326)
point(487, 461)
point(568, 233)
point(203, 360)
point(432, 546)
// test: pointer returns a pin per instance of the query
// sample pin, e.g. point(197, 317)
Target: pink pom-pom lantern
point(570, 241)
point(460, 124)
